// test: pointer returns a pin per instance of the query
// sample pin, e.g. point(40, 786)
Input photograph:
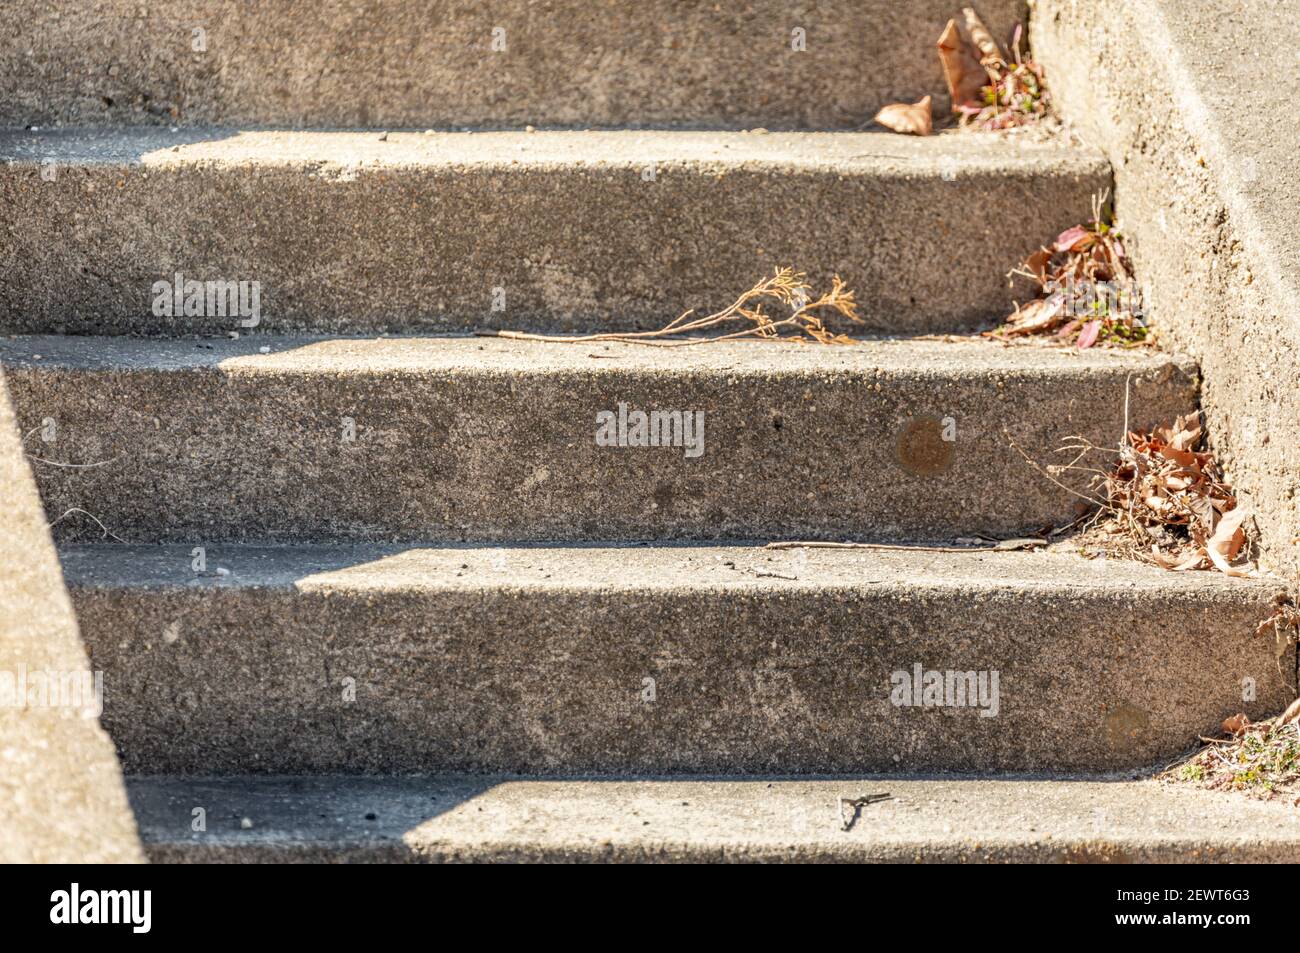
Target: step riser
point(827, 449)
point(786, 677)
point(563, 245)
point(416, 63)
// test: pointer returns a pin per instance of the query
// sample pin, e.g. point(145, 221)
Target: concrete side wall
point(1188, 103)
point(61, 794)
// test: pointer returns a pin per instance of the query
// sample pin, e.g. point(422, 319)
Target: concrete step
point(486, 438)
point(508, 820)
point(421, 63)
point(654, 659)
point(354, 232)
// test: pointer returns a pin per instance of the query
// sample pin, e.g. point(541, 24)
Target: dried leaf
point(1036, 264)
point(1088, 336)
point(1038, 315)
point(1183, 458)
point(1072, 238)
point(910, 118)
point(1187, 432)
point(962, 71)
point(1291, 714)
point(1226, 542)
point(978, 35)
point(1236, 724)
point(1193, 561)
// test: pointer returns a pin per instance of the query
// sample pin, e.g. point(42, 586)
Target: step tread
point(945, 357)
point(486, 818)
point(640, 567)
point(872, 152)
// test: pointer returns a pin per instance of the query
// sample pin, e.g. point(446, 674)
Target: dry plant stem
point(72, 466)
point(900, 547)
point(786, 287)
point(98, 522)
point(1034, 463)
point(57, 463)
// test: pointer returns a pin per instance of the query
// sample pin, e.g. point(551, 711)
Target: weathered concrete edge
point(467, 819)
point(62, 799)
point(1219, 284)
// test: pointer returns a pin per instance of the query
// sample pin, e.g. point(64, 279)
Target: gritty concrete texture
point(486, 438)
point(485, 820)
point(1183, 98)
point(421, 63)
point(351, 232)
point(724, 659)
point(61, 793)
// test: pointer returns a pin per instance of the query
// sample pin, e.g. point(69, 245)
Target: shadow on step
point(509, 819)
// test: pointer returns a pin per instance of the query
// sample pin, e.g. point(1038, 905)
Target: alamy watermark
point(1084, 298)
point(80, 690)
point(182, 297)
point(933, 688)
point(127, 907)
point(656, 428)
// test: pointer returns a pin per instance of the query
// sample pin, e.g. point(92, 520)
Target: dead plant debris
point(1087, 292)
point(914, 119)
point(1159, 498)
point(1283, 624)
point(989, 87)
point(1015, 94)
point(1258, 758)
point(786, 288)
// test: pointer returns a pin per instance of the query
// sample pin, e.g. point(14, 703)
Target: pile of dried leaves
point(1260, 758)
point(989, 88)
point(1161, 499)
point(786, 287)
point(1087, 292)
point(1013, 94)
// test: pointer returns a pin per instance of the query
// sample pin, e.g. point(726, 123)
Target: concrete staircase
point(358, 543)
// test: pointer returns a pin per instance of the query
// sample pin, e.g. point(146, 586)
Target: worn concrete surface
point(1183, 98)
point(484, 820)
point(61, 793)
point(536, 659)
point(485, 438)
point(348, 232)
point(421, 63)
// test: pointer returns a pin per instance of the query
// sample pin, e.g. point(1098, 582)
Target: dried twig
point(98, 522)
point(851, 807)
point(58, 463)
point(900, 547)
point(785, 287)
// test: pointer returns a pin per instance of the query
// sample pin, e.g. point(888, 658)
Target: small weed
point(1261, 759)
